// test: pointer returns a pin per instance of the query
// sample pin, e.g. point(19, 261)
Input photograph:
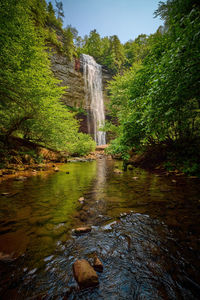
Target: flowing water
point(145, 230)
point(92, 73)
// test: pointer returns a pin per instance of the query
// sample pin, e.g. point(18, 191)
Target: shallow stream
point(145, 230)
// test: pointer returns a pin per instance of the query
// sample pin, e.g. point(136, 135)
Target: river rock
point(56, 169)
point(82, 230)
point(84, 274)
point(117, 171)
point(81, 200)
point(6, 257)
point(97, 264)
point(20, 178)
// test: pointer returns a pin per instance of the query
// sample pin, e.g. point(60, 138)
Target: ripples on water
point(149, 253)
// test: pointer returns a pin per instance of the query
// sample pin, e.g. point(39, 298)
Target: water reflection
point(151, 253)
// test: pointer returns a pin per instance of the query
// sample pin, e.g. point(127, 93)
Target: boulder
point(117, 171)
point(82, 230)
point(97, 264)
point(81, 200)
point(20, 178)
point(84, 274)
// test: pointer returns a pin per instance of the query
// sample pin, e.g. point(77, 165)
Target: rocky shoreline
point(21, 171)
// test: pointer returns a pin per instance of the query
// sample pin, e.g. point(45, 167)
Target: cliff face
point(71, 75)
point(65, 71)
point(73, 79)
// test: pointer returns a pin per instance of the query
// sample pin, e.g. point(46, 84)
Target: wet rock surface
point(84, 274)
point(97, 264)
point(82, 230)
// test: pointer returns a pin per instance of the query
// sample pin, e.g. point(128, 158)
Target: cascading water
point(92, 73)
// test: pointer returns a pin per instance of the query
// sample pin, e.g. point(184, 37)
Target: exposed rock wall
point(67, 72)
point(73, 79)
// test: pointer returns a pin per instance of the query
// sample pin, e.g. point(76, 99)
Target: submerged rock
point(84, 274)
point(82, 230)
point(97, 264)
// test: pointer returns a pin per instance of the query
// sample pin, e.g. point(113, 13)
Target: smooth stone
point(6, 257)
point(97, 264)
point(117, 171)
point(20, 178)
point(82, 230)
point(81, 199)
point(84, 274)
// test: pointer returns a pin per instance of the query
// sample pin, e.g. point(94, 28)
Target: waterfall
point(92, 73)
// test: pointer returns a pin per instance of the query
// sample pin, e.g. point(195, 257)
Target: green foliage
point(68, 46)
point(93, 45)
point(52, 39)
point(107, 51)
point(59, 10)
point(81, 145)
point(137, 50)
point(51, 18)
point(158, 98)
point(30, 95)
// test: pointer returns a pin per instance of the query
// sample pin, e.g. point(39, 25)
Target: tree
point(30, 95)
point(59, 10)
point(117, 53)
point(68, 43)
point(39, 13)
point(93, 45)
point(160, 101)
point(50, 9)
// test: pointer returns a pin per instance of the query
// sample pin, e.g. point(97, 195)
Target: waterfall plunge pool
point(144, 229)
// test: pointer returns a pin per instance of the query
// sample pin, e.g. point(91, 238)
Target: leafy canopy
point(29, 93)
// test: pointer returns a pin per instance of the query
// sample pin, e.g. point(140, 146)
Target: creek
point(145, 230)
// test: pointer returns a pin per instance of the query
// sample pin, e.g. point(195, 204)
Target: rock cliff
point(71, 75)
point(72, 79)
point(67, 72)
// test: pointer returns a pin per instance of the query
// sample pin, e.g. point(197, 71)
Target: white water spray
point(92, 73)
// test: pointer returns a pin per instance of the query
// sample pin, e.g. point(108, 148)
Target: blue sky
point(125, 18)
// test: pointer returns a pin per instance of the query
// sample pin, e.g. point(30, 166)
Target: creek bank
point(20, 161)
point(166, 159)
point(20, 157)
